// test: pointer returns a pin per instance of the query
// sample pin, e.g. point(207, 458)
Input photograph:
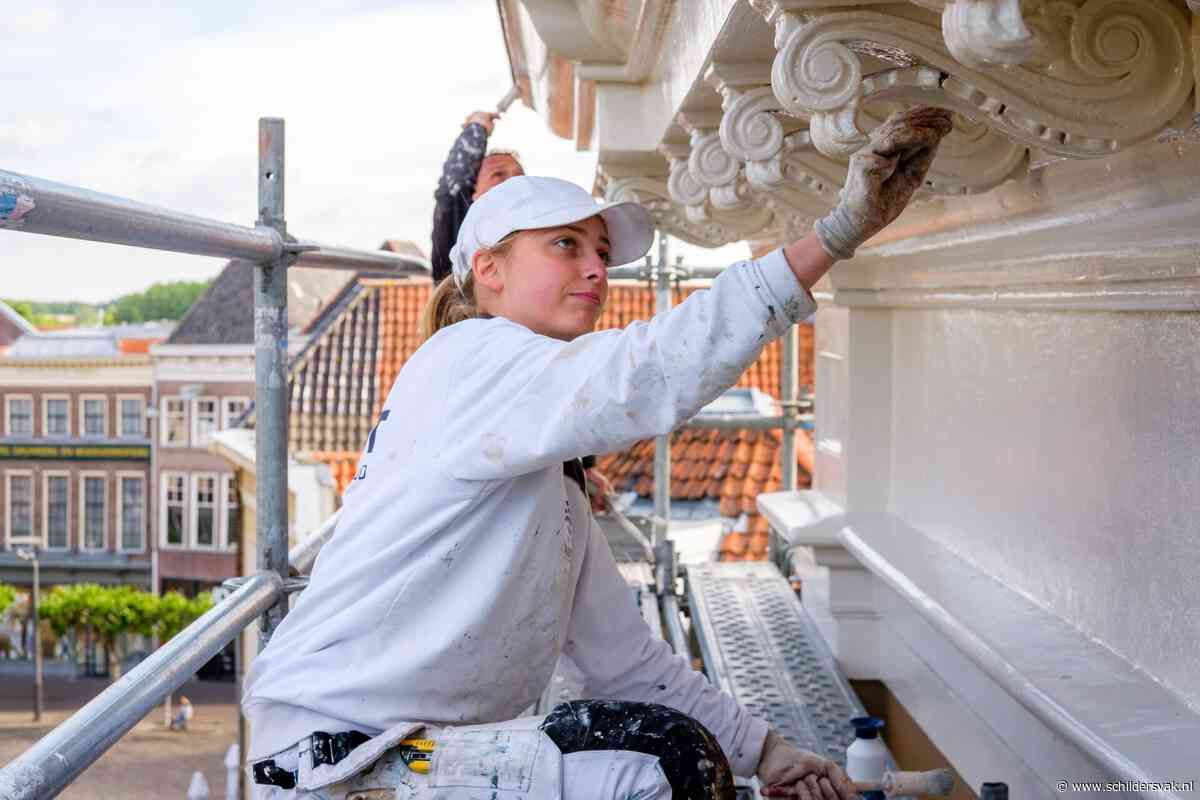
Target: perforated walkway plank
point(760, 645)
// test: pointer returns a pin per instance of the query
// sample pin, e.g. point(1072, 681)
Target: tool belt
point(326, 748)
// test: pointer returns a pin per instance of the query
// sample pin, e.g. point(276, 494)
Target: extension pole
point(662, 444)
point(270, 374)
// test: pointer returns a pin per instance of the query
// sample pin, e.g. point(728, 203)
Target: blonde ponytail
point(447, 305)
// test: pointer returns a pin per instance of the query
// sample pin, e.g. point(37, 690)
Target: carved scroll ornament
point(696, 224)
point(1106, 73)
point(972, 159)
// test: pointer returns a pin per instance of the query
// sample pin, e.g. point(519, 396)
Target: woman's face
point(553, 281)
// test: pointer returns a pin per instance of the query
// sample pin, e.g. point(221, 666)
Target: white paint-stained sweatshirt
point(465, 562)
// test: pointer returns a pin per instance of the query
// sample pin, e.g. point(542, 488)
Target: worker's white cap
point(527, 203)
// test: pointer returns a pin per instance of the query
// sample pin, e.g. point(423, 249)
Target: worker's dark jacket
point(453, 195)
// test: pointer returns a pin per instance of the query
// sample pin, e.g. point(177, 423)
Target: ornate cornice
point(1106, 73)
point(1031, 81)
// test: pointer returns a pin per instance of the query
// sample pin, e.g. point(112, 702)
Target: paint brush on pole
point(935, 783)
point(508, 99)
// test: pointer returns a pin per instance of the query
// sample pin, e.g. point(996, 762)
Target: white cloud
point(161, 105)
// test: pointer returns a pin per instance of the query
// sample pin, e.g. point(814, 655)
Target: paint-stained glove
point(787, 771)
point(882, 178)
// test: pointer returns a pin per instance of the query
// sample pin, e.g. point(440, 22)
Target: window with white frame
point(204, 510)
point(19, 410)
point(133, 417)
point(58, 416)
point(131, 511)
point(56, 516)
point(174, 422)
point(19, 491)
point(94, 410)
point(204, 420)
point(231, 409)
point(93, 491)
point(174, 504)
point(233, 516)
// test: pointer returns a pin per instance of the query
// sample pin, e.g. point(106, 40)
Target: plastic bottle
point(867, 755)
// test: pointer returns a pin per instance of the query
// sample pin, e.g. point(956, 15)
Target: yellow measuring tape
point(416, 753)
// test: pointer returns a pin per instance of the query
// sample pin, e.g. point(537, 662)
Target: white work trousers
point(504, 761)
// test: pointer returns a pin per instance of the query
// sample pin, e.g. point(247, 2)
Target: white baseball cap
point(525, 203)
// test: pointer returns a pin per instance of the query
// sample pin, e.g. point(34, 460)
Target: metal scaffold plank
point(760, 645)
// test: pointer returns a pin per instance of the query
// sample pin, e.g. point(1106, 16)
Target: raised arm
point(455, 187)
point(522, 401)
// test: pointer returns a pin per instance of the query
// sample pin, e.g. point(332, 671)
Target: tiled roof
point(341, 379)
point(629, 302)
point(732, 467)
point(224, 314)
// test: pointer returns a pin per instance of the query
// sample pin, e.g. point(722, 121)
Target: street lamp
point(30, 554)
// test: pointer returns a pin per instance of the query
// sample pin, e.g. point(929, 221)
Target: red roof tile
point(734, 466)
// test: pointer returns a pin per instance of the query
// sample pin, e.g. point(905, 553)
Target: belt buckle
point(267, 774)
point(330, 748)
point(324, 749)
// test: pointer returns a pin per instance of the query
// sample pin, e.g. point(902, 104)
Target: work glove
point(787, 771)
point(882, 178)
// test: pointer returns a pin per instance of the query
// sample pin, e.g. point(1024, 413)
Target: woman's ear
point(486, 266)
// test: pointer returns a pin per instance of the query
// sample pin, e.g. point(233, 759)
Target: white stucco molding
point(794, 177)
point(977, 32)
point(1130, 59)
point(1123, 721)
point(1005, 689)
point(845, 606)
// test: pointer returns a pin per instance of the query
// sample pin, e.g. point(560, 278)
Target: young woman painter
point(467, 559)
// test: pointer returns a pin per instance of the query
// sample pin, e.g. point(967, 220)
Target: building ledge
point(51, 559)
point(1084, 694)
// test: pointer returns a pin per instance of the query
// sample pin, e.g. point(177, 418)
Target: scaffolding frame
point(35, 205)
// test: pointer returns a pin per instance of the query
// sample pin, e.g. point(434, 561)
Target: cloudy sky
point(159, 103)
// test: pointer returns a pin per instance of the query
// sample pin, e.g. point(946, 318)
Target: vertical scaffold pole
point(788, 388)
point(270, 373)
point(662, 444)
point(664, 554)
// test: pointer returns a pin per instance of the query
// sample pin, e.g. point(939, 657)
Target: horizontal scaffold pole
point(35, 205)
point(59, 757)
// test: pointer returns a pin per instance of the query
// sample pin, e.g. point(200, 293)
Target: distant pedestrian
point(183, 716)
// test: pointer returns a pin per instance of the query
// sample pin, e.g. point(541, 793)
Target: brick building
point(203, 377)
point(75, 454)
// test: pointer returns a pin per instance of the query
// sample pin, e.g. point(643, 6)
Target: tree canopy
point(7, 595)
point(161, 301)
point(111, 611)
point(168, 300)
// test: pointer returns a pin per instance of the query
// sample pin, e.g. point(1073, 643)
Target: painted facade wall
point(1058, 452)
